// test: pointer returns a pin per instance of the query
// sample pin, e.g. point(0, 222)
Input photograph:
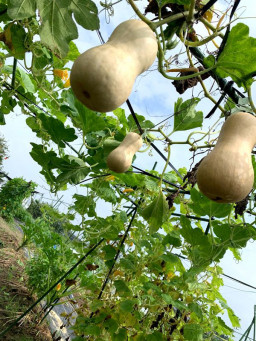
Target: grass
point(15, 296)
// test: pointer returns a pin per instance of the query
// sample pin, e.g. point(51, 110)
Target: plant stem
point(161, 69)
point(140, 15)
point(191, 11)
point(249, 91)
point(210, 26)
point(166, 164)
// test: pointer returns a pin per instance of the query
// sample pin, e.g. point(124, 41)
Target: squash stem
point(166, 164)
point(140, 15)
point(210, 26)
point(249, 91)
point(191, 11)
point(161, 69)
point(161, 30)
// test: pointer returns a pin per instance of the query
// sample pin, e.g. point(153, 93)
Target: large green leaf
point(234, 236)
point(82, 117)
point(202, 206)
point(86, 14)
point(84, 205)
point(25, 81)
point(58, 27)
point(193, 332)
point(237, 59)
point(56, 129)
point(185, 115)
point(121, 287)
point(156, 213)
point(19, 10)
point(15, 36)
point(194, 236)
point(73, 170)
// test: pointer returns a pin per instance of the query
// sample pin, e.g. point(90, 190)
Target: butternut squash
point(103, 76)
point(226, 174)
point(120, 159)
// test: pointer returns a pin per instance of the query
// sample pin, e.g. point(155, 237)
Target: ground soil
point(15, 296)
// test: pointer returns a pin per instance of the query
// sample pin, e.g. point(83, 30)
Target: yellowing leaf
point(118, 273)
point(208, 15)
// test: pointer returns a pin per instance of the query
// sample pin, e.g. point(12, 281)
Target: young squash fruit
point(226, 174)
point(103, 76)
point(120, 159)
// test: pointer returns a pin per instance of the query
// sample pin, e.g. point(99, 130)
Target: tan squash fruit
point(103, 76)
point(120, 159)
point(226, 174)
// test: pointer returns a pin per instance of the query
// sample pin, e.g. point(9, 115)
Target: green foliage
point(150, 291)
point(237, 60)
point(12, 195)
point(185, 115)
point(3, 151)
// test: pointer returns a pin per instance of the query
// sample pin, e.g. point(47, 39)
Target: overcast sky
point(153, 96)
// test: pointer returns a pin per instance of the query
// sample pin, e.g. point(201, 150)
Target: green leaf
point(85, 13)
point(2, 119)
point(169, 239)
point(84, 205)
point(15, 36)
point(155, 336)
point(110, 252)
point(223, 325)
point(95, 305)
point(169, 300)
point(83, 118)
point(145, 124)
point(156, 213)
point(194, 236)
point(237, 60)
point(185, 115)
point(120, 114)
point(127, 263)
point(121, 287)
point(26, 81)
point(73, 170)
point(127, 306)
point(56, 129)
point(110, 325)
point(19, 10)
point(202, 206)
point(233, 318)
point(120, 336)
point(194, 307)
point(58, 27)
point(45, 160)
point(193, 332)
point(170, 258)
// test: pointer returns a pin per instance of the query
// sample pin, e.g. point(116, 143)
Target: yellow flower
point(109, 178)
point(58, 287)
point(128, 190)
point(67, 83)
point(63, 74)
